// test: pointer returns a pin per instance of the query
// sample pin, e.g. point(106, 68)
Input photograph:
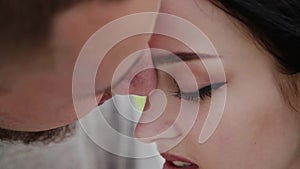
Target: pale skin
point(37, 95)
point(259, 130)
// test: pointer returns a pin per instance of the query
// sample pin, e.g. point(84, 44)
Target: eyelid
point(200, 86)
point(217, 85)
point(200, 93)
point(213, 86)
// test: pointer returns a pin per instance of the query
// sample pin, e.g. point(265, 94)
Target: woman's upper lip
point(171, 157)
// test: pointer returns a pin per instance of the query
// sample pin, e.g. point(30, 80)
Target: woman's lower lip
point(169, 165)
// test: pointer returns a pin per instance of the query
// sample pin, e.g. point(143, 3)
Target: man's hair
point(28, 23)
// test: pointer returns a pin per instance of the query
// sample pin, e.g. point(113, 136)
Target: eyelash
point(199, 95)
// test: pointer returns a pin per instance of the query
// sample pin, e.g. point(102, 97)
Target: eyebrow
point(159, 60)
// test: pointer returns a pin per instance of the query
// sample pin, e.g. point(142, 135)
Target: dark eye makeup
point(199, 95)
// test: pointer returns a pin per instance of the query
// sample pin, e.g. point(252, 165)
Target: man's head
point(40, 42)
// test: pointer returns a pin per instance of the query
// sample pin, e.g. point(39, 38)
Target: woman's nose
point(156, 122)
point(135, 75)
point(140, 80)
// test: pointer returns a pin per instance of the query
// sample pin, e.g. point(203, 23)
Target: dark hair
point(56, 135)
point(28, 23)
point(275, 26)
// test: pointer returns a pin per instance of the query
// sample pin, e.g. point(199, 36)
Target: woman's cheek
point(254, 129)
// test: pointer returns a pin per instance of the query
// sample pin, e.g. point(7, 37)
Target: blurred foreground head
point(40, 42)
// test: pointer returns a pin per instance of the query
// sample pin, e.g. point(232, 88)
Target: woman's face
point(258, 129)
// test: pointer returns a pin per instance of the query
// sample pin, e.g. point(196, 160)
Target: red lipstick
point(175, 162)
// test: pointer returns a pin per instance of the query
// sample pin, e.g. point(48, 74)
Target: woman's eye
point(200, 94)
